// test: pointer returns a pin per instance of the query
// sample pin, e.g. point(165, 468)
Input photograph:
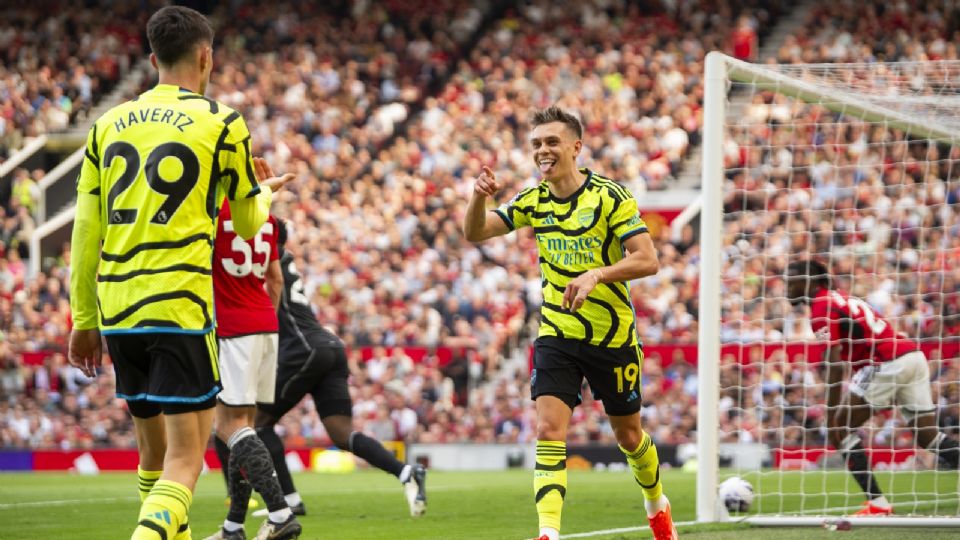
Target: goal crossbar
point(836, 100)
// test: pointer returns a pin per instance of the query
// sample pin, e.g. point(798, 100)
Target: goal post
point(793, 158)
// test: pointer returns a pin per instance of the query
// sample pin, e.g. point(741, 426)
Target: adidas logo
point(162, 516)
point(549, 220)
point(633, 396)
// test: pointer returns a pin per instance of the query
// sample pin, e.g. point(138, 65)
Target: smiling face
point(555, 148)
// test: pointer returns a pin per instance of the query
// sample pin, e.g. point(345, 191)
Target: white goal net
point(856, 166)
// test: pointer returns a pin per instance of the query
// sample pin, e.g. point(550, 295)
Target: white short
point(904, 382)
point(248, 369)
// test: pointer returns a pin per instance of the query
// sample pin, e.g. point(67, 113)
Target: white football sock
point(655, 507)
point(280, 516)
point(406, 474)
point(293, 499)
point(552, 534)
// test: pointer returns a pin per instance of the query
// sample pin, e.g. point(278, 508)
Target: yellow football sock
point(550, 481)
point(646, 467)
point(146, 480)
point(163, 512)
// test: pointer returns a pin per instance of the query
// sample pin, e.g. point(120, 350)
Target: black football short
point(560, 366)
point(322, 373)
point(168, 373)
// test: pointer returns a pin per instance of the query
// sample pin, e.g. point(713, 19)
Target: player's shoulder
point(609, 187)
point(826, 300)
point(185, 109)
point(119, 111)
point(530, 195)
point(216, 111)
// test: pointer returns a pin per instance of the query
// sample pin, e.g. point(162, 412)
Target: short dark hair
point(556, 114)
point(818, 272)
point(174, 32)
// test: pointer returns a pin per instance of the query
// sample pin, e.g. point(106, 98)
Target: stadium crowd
point(375, 214)
point(56, 62)
point(884, 211)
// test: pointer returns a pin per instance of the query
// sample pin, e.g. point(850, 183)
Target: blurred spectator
point(57, 60)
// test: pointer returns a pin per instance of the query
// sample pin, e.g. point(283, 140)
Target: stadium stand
point(54, 68)
point(886, 219)
point(386, 128)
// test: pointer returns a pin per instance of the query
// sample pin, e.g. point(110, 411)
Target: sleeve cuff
point(83, 324)
point(505, 219)
point(632, 233)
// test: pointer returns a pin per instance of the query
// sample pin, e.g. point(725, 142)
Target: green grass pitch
point(369, 505)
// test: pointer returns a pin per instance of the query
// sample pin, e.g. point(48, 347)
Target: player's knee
point(549, 431)
point(183, 461)
point(628, 437)
point(229, 424)
point(340, 438)
point(927, 435)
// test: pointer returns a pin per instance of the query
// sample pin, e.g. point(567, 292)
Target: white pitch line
point(620, 530)
point(5, 506)
point(61, 502)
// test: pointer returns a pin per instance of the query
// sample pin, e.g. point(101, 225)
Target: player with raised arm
point(313, 361)
point(592, 242)
point(888, 370)
point(247, 284)
point(155, 170)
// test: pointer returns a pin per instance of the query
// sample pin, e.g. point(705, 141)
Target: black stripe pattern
point(542, 492)
point(155, 527)
point(146, 246)
point(148, 271)
point(574, 235)
point(559, 466)
point(147, 300)
point(214, 106)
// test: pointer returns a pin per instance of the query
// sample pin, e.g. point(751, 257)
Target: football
point(736, 494)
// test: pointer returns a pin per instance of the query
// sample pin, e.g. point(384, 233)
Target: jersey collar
point(171, 89)
point(576, 193)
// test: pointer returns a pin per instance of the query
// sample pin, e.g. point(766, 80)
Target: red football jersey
point(239, 266)
point(863, 335)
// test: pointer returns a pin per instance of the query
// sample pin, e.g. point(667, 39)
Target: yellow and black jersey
point(583, 231)
point(160, 165)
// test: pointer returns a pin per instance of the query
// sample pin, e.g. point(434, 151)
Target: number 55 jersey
point(160, 165)
point(239, 270)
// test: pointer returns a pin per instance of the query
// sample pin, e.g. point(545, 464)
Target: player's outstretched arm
point(251, 213)
point(480, 223)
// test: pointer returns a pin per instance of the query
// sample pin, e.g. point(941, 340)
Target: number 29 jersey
point(239, 271)
point(161, 164)
point(863, 335)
